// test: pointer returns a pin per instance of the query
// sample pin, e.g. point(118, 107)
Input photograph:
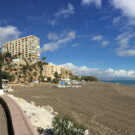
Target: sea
point(126, 82)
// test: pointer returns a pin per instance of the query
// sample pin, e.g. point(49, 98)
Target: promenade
point(13, 121)
point(3, 122)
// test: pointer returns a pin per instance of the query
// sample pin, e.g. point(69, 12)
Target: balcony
point(33, 51)
point(38, 54)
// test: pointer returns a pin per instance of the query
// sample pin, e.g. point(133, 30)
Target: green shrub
point(89, 78)
point(41, 78)
point(48, 79)
point(11, 78)
point(67, 126)
point(55, 81)
point(34, 74)
point(6, 75)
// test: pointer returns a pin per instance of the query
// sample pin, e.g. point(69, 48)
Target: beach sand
point(105, 108)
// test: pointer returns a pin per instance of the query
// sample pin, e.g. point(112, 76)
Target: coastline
point(123, 82)
point(105, 108)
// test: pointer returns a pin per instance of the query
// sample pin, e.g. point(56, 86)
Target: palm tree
point(34, 74)
point(34, 66)
point(57, 76)
point(43, 59)
point(10, 66)
point(4, 60)
point(66, 73)
point(15, 56)
point(30, 56)
point(19, 54)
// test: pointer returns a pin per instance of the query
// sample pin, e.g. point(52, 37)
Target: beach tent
point(62, 83)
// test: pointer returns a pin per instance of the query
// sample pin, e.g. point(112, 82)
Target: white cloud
point(125, 44)
point(75, 45)
point(105, 43)
point(98, 3)
point(100, 73)
point(97, 38)
point(53, 46)
point(8, 33)
point(100, 38)
point(124, 39)
point(64, 13)
point(52, 22)
point(126, 6)
point(52, 36)
point(126, 52)
point(116, 20)
point(50, 63)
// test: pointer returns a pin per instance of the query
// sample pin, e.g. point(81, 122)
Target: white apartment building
point(27, 47)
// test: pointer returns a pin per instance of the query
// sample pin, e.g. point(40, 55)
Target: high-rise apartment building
point(27, 47)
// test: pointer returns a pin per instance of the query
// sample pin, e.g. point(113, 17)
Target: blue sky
point(91, 37)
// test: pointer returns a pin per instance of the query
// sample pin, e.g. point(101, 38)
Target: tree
point(56, 75)
point(30, 78)
point(19, 54)
point(74, 77)
point(15, 56)
point(5, 59)
point(66, 73)
point(41, 78)
point(30, 68)
point(43, 59)
point(89, 78)
point(48, 79)
point(11, 78)
point(7, 76)
point(34, 74)
point(40, 65)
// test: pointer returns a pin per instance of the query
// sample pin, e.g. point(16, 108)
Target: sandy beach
point(105, 108)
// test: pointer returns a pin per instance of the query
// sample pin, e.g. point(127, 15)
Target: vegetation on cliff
point(89, 78)
point(7, 76)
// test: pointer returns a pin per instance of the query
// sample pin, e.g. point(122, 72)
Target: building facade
point(65, 73)
point(49, 70)
point(27, 47)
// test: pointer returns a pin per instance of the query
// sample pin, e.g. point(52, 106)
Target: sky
point(90, 37)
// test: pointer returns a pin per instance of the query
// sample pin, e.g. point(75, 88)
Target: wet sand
point(105, 108)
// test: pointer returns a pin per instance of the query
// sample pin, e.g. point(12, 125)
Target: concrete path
point(3, 122)
point(18, 122)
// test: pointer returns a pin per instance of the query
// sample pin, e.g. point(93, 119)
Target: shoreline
point(108, 82)
point(117, 82)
